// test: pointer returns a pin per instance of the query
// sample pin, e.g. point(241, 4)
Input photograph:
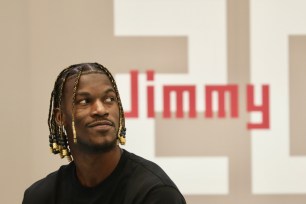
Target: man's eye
point(110, 99)
point(83, 102)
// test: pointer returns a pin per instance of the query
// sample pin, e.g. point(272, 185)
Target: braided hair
point(57, 138)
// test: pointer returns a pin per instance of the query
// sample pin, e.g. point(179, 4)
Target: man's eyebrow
point(84, 93)
point(109, 90)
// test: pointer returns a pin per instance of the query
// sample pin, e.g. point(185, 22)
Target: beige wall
point(15, 110)
point(40, 37)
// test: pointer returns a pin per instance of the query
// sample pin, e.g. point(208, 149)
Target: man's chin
point(106, 146)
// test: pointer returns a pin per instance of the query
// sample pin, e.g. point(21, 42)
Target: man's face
point(96, 112)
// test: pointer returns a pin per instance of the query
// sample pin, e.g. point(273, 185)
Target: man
point(86, 123)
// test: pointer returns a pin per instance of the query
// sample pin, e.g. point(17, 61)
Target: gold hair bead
point(54, 145)
point(74, 133)
point(61, 154)
point(122, 140)
point(64, 152)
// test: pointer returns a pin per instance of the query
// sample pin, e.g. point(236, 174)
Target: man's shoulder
point(148, 179)
point(149, 170)
point(43, 189)
point(144, 167)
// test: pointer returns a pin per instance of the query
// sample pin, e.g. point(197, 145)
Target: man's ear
point(59, 117)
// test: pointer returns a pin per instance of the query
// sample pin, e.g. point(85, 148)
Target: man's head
point(85, 105)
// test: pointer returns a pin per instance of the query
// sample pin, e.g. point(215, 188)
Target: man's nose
point(98, 108)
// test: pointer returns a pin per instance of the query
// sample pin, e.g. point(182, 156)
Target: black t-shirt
point(134, 181)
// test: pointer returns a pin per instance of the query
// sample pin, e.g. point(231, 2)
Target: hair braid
point(58, 140)
point(75, 88)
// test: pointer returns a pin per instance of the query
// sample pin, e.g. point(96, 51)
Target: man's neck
point(92, 169)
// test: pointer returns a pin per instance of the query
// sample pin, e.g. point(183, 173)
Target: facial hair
point(85, 146)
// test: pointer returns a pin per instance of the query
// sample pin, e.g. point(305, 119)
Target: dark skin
point(96, 116)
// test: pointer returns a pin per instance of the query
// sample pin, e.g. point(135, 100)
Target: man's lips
point(100, 123)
